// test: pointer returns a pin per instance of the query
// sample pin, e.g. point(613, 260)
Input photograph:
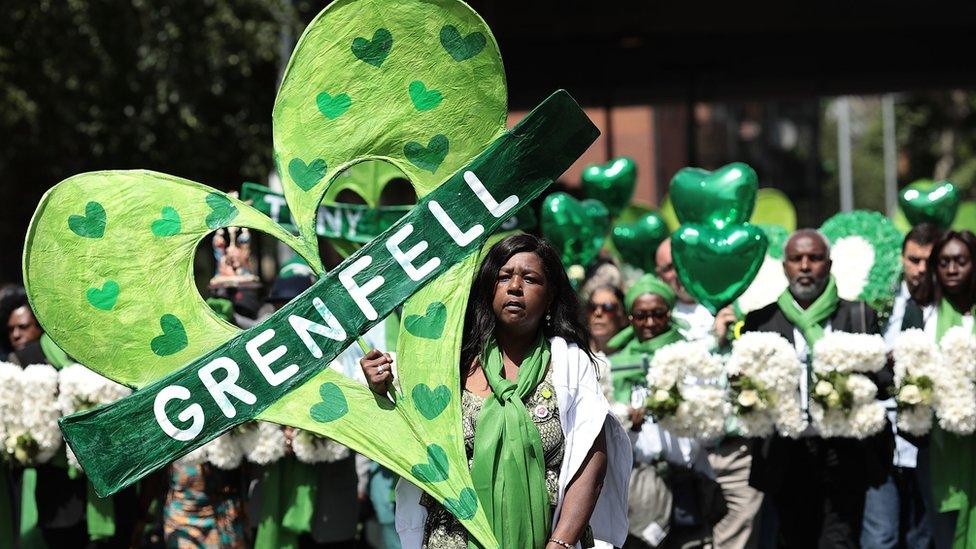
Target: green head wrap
point(649, 284)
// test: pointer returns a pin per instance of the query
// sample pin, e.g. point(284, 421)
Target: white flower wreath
point(764, 378)
point(685, 392)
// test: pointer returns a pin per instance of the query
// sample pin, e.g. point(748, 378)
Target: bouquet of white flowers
point(685, 392)
point(81, 389)
point(312, 448)
point(955, 394)
point(262, 442)
point(764, 376)
point(918, 365)
point(842, 400)
point(31, 422)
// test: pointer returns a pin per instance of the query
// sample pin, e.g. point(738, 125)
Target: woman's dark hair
point(566, 319)
point(11, 299)
point(929, 291)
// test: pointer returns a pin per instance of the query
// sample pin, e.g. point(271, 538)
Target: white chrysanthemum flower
point(40, 412)
point(262, 442)
point(770, 360)
point(863, 389)
point(312, 448)
point(81, 389)
point(845, 353)
point(697, 373)
point(10, 400)
point(224, 452)
point(916, 420)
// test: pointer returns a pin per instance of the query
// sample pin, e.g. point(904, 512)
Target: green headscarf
point(629, 364)
point(953, 457)
point(508, 468)
point(649, 284)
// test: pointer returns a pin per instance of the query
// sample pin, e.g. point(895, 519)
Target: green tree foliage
point(185, 87)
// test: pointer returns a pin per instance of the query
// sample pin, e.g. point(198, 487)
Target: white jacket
point(584, 412)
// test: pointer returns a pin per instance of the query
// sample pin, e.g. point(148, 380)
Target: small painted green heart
point(333, 107)
point(172, 340)
point(424, 99)
point(168, 223)
point(430, 402)
point(104, 298)
point(429, 325)
point(90, 225)
point(430, 157)
point(333, 405)
point(373, 51)
point(435, 470)
point(465, 505)
point(308, 175)
point(461, 48)
point(222, 211)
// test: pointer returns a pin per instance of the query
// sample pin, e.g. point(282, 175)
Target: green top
point(628, 366)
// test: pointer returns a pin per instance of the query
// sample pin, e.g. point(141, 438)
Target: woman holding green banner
point(548, 461)
point(951, 290)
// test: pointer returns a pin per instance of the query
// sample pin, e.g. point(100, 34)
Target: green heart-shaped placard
point(90, 225)
point(717, 265)
point(429, 325)
point(168, 224)
point(104, 298)
point(333, 405)
point(333, 107)
point(576, 228)
point(436, 469)
point(930, 201)
point(612, 183)
point(423, 98)
point(222, 211)
point(720, 198)
point(308, 175)
point(462, 48)
point(373, 51)
point(430, 157)
point(637, 242)
point(430, 402)
point(465, 505)
point(172, 340)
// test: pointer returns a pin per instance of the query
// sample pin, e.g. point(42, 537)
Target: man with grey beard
point(816, 485)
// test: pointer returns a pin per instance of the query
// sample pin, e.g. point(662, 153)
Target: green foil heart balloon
point(612, 183)
point(720, 198)
point(929, 201)
point(576, 228)
point(637, 242)
point(717, 265)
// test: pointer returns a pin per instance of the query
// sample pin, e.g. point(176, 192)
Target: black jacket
point(848, 463)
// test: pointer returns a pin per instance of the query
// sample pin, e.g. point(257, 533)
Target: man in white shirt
point(729, 457)
point(898, 513)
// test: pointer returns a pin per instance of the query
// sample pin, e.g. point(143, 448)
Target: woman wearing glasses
point(950, 291)
point(605, 317)
point(664, 509)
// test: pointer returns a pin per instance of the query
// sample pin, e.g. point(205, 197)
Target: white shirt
point(932, 321)
point(897, 316)
point(699, 321)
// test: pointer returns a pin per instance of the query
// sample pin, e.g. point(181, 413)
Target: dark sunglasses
point(656, 314)
point(608, 308)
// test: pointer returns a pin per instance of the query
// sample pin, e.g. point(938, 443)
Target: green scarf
point(288, 489)
point(953, 458)
point(810, 320)
point(508, 468)
point(628, 366)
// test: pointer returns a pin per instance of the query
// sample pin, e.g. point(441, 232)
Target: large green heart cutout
point(717, 265)
point(930, 201)
point(720, 198)
point(612, 183)
point(117, 243)
point(576, 228)
point(637, 241)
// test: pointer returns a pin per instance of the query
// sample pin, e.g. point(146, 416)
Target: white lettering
point(264, 362)
point(485, 197)
point(220, 389)
point(192, 413)
point(352, 218)
point(333, 218)
point(360, 293)
point(460, 238)
point(405, 259)
point(304, 328)
point(275, 202)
